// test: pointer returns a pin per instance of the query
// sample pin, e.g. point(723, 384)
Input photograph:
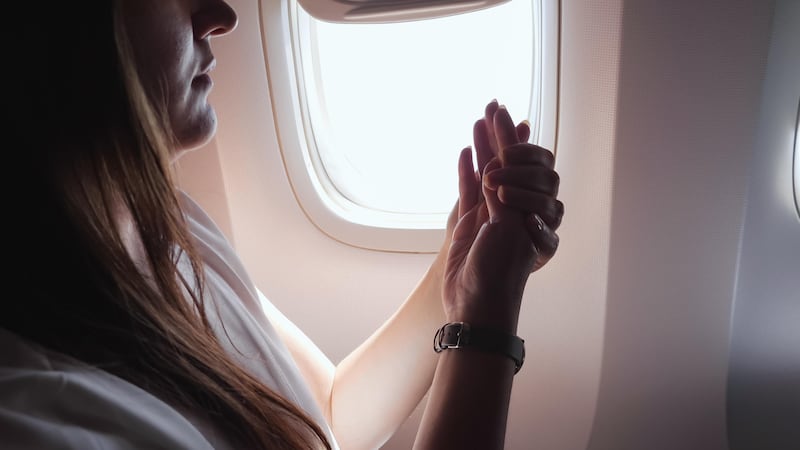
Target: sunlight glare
point(397, 102)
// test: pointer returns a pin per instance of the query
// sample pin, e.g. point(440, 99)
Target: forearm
point(468, 402)
point(378, 385)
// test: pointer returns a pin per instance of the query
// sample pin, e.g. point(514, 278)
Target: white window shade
point(381, 11)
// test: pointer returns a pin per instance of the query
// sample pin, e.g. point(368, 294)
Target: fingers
point(524, 153)
point(497, 211)
point(534, 178)
point(471, 211)
point(484, 137)
point(519, 181)
point(483, 145)
point(505, 131)
point(525, 180)
point(544, 239)
point(524, 131)
point(523, 175)
point(488, 117)
point(468, 185)
point(547, 207)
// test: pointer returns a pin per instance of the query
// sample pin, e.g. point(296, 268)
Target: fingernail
point(527, 122)
point(539, 222)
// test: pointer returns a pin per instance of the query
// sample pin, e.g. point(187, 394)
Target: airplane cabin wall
point(689, 93)
point(627, 328)
point(764, 378)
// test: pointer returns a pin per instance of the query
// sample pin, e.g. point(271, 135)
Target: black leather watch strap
point(461, 334)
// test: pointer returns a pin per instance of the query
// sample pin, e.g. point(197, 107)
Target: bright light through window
point(395, 103)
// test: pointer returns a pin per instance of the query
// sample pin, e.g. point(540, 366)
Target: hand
point(526, 180)
point(503, 228)
point(485, 154)
point(526, 186)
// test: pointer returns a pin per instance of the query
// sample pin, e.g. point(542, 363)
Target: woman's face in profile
point(170, 40)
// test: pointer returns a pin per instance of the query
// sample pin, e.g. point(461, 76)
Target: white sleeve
point(48, 401)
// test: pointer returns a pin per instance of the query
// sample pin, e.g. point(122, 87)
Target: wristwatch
point(463, 335)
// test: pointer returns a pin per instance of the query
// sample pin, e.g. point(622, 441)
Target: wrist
point(499, 312)
point(439, 263)
point(463, 335)
point(434, 276)
point(499, 322)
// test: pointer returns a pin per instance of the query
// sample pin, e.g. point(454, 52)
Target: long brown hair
point(92, 141)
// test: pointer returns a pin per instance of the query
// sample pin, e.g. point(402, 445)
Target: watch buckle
point(461, 331)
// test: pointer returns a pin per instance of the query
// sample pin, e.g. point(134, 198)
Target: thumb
point(497, 210)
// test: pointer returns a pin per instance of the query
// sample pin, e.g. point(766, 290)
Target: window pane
point(396, 102)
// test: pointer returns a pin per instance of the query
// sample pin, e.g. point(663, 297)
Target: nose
point(214, 18)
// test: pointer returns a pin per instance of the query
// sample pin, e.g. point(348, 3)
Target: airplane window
point(391, 105)
point(372, 116)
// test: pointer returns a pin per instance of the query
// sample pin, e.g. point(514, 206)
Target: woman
point(139, 328)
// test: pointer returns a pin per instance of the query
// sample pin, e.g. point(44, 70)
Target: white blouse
point(48, 400)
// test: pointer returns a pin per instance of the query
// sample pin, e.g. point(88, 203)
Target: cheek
point(155, 37)
point(172, 68)
point(186, 103)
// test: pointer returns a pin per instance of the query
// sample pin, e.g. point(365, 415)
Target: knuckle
point(555, 178)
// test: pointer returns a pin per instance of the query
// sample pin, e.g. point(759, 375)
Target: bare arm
point(379, 384)
point(468, 403)
point(374, 389)
point(487, 268)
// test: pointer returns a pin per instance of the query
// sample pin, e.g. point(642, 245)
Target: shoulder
point(49, 401)
point(200, 223)
point(217, 252)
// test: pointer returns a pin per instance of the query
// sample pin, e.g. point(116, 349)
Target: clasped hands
point(504, 225)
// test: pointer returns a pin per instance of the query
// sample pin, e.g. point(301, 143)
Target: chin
point(198, 134)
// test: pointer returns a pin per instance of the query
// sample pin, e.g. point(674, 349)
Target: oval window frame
point(330, 212)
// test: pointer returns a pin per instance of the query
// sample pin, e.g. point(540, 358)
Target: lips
point(203, 79)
